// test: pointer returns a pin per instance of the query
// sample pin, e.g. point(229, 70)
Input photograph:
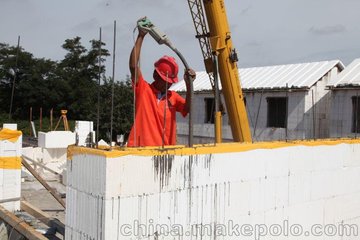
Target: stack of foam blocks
point(10, 167)
point(85, 133)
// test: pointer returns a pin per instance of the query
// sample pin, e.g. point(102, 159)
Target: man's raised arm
point(135, 56)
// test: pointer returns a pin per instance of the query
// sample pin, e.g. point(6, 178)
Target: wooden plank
point(19, 225)
point(43, 217)
point(52, 191)
point(42, 165)
point(9, 200)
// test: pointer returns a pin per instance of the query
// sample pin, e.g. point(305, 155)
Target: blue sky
point(264, 32)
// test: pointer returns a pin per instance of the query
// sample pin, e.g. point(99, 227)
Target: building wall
point(341, 113)
point(308, 115)
point(257, 115)
point(317, 109)
point(258, 104)
point(203, 132)
point(112, 194)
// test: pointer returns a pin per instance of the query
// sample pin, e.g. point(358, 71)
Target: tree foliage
point(71, 83)
point(123, 108)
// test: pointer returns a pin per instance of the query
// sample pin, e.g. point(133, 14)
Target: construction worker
point(155, 105)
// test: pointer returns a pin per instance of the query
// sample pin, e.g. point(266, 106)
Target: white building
point(283, 102)
point(345, 102)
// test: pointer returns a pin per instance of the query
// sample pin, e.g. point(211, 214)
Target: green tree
point(79, 71)
point(32, 81)
point(71, 84)
point(123, 108)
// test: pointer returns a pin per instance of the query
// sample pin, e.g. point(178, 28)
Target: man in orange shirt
point(155, 105)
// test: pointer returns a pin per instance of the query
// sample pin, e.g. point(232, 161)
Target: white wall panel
point(304, 185)
point(56, 139)
point(10, 177)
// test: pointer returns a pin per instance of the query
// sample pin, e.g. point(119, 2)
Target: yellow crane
point(215, 41)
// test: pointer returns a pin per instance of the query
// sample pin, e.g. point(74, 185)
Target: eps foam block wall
point(10, 169)
point(56, 139)
point(171, 194)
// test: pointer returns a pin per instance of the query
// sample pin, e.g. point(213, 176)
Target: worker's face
point(160, 84)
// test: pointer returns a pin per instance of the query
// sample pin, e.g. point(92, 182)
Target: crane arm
point(218, 41)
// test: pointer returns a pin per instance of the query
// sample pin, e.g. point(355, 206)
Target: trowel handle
point(144, 24)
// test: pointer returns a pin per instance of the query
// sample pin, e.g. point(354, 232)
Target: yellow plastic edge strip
point(202, 149)
point(10, 162)
point(10, 135)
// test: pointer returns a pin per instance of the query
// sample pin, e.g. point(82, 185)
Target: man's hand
point(189, 75)
point(135, 54)
point(142, 31)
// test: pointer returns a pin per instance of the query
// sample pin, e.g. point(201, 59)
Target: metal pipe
point(165, 105)
point(286, 114)
point(98, 93)
point(356, 114)
point(218, 116)
point(13, 86)
point(191, 86)
point(313, 112)
point(112, 87)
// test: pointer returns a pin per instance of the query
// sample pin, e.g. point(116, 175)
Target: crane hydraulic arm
point(219, 39)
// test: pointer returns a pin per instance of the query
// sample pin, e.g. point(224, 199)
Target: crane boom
point(202, 34)
point(219, 39)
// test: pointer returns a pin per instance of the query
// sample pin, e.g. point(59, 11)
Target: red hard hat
point(167, 69)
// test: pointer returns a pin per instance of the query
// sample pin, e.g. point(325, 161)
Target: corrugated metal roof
point(349, 77)
point(302, 75)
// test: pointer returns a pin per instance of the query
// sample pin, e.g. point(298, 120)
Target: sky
point(264, 32)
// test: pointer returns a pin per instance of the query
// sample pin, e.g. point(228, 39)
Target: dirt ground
point(34, 193)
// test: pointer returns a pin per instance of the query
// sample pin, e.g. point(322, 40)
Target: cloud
point(327, 30)
point(86, 25)
point(258, 29)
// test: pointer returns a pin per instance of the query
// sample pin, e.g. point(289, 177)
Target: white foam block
point(56, 139)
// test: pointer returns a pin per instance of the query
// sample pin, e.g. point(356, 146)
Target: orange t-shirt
point(148, 128)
